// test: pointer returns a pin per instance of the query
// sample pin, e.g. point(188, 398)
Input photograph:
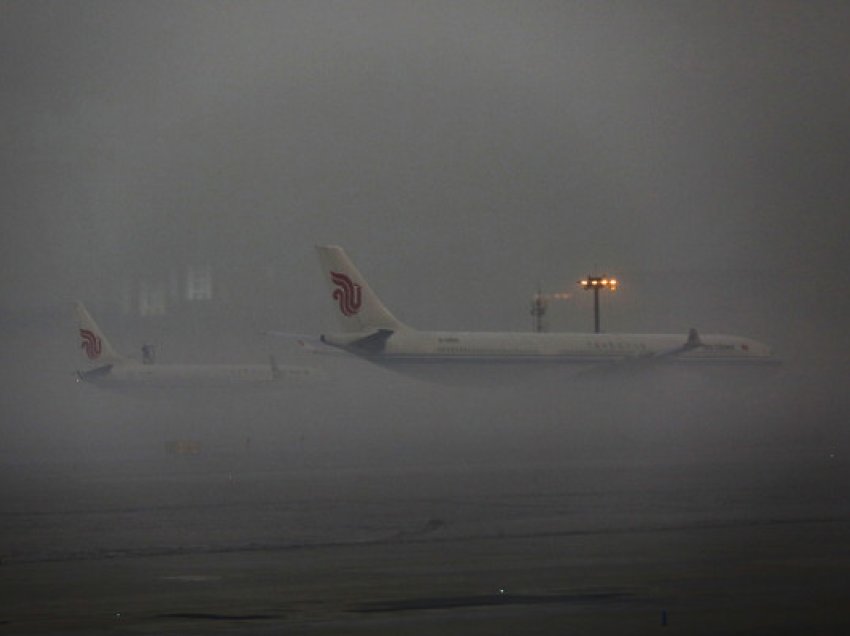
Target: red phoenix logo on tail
point(90, 344)
point(347, 294)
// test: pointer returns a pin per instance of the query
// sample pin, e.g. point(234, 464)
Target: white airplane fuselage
point(571, 348)
point(187, 376)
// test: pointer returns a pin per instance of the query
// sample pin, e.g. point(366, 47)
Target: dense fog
point(173, 165)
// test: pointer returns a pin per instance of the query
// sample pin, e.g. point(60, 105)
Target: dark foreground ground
point(718, 547)
point(618, 582)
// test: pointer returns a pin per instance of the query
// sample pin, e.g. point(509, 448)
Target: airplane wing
point(645, 361)
point(693, 342)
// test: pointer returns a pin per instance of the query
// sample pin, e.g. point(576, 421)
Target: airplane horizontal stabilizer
point(311, 344)
point(374, 343)
point(94, 374)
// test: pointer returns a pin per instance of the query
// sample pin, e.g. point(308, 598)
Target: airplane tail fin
point(358, 307)
point(95, 349)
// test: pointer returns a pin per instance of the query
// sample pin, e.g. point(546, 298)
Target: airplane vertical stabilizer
point(358, 308)
point(95, 349)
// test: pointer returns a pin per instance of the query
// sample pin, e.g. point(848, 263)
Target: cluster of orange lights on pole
point(599, 281)
point(540, 301)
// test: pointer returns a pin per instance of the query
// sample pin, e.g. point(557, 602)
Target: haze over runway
point(175, 163)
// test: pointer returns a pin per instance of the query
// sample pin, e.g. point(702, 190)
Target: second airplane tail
point(358, 308)
point(95, 349)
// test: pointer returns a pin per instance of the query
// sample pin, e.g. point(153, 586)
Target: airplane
point(104, 367)
point(371, 332)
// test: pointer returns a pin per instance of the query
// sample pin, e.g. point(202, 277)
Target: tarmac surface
point(199, 545)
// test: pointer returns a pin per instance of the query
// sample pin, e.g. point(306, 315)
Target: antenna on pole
point(539, 305)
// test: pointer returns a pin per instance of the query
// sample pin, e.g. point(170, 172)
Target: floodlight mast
point(596, 283)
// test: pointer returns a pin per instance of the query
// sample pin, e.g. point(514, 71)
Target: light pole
point(596, 283)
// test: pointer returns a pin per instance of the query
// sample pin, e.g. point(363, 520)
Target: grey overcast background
point(172, 164)
point(463, 152)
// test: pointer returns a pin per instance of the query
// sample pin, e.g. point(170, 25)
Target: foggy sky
point(461, 152)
